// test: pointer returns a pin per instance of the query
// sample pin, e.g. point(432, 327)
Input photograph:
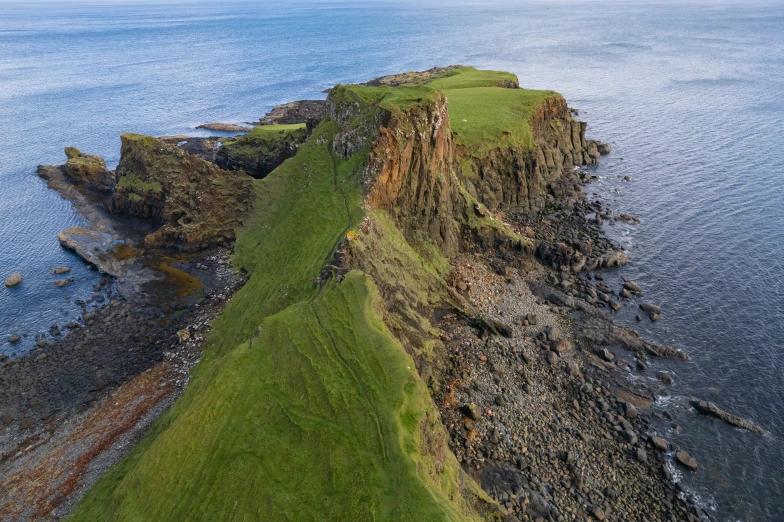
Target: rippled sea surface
point(689, 96)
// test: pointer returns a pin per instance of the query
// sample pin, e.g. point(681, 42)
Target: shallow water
point(689, 97)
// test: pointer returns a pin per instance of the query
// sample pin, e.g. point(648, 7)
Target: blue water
point(690, 97)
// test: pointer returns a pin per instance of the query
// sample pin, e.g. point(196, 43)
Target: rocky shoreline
point(544, 416)
point(84, 401)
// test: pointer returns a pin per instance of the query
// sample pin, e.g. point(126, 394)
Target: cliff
point(193, 202)
point(311, 397)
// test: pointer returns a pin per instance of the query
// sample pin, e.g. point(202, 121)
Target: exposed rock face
point(412, 162)
point(259, 153)
point(530, 180)
point(304, 111)
point(195, 203)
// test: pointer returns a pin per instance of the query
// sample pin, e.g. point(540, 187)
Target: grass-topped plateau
point(305, 405)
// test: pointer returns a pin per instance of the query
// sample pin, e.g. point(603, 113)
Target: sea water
point(688, 95)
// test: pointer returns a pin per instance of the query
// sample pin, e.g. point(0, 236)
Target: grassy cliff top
point(486, 109)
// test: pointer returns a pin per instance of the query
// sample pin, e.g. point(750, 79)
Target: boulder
point(658, 443)
point(14, 339)
point(472, 411)
point(650, 308)
point(616, 259)
point(62, 282)
point(685, 459)
point(13, 280)
point(60, 270)
point(632, 287)
point(561, 345)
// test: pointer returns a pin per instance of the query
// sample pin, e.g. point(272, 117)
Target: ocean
point(688, 95)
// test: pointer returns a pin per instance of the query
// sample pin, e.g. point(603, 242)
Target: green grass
point(132, 183)
point(484, 114)
point(264, 131)
point(304, 406)
point(316, 418)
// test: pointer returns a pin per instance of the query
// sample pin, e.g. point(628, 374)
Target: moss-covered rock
point(194, 203)
point(88, 170)
point(262, 150)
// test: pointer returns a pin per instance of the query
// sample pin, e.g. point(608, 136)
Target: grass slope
point(316, 418)
point(304, 406)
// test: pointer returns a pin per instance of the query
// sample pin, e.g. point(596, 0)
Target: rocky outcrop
point(88, 170)
point(193, 202)
point(532, 179)
point(82, 170)
point(304, 111)
point(261, 151)
point(205, 148)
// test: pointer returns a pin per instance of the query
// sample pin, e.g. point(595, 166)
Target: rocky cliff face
point(194, 203)
point(530, 180)
point(434, 189)
point(412, 164)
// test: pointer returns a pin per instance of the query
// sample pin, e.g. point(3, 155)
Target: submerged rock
point(709, 408)
point(13, 280)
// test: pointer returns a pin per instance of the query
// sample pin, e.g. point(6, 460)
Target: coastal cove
point(692, 171)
